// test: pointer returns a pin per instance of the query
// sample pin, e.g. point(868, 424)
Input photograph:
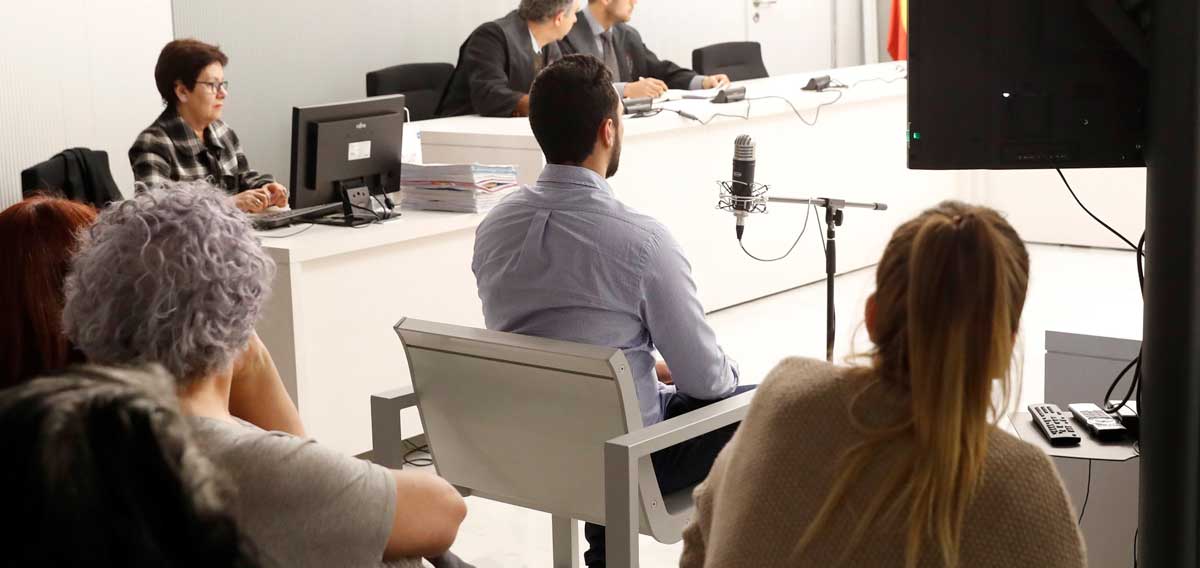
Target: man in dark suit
point(603, 31)
point(497, 63)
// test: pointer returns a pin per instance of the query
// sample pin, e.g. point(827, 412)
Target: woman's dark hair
point(182, 60)
point(39, 234)
point(568, 103)
point(102, 472)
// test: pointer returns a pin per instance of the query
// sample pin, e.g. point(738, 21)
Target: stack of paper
point(469, 188)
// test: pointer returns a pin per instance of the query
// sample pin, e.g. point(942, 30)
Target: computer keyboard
point(276, 219)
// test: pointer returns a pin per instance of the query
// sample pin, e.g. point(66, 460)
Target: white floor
point(1079, 290)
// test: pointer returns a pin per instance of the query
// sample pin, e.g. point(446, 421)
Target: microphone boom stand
point(834, 216)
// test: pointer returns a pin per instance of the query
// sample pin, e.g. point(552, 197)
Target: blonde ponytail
point(950, 290)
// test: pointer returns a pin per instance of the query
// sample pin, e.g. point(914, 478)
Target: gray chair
point(740, 60)
point(420, 83)
point(547, 425)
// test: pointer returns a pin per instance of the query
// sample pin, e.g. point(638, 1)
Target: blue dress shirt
point(564, 259)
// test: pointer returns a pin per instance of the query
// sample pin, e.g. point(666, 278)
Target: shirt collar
point(597, 29)
point(537, 49)
point(558, 175)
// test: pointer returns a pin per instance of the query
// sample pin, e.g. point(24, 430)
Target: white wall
point(286, 53)
point(76, 73)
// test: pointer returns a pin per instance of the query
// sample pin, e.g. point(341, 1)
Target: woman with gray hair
point(175, 276)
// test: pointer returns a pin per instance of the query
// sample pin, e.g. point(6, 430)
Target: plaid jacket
point(169, 151)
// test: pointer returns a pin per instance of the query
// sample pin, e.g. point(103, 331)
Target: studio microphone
point(742, 187)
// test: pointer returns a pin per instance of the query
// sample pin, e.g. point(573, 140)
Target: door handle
point(761, 3)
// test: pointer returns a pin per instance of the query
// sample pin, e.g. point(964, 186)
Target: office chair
point(543, 424)
point(421, 84)
point(740, 60)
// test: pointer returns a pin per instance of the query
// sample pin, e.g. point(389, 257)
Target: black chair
point(78, 174)
point(420, 83)
point(740, 60)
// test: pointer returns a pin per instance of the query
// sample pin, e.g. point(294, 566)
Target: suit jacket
point(79, 174)
point(495, 69)
point(633, 57)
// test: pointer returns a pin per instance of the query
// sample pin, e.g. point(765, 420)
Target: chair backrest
point(78, 174)
point(740, 60)
point(421, 84)
point(523, 420)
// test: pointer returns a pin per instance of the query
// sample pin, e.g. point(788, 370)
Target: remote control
point(1054, 425)
point(1100, 423)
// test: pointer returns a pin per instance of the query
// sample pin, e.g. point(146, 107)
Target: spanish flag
point(898, 34)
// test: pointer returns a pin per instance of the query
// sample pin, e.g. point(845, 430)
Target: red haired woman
point(39, 235)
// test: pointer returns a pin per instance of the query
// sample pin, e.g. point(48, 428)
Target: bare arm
point(428, 513)
point(257, 394)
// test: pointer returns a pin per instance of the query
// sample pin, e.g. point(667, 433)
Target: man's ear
point(610, 132)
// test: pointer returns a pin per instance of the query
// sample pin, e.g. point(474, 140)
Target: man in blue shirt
point(565, 259)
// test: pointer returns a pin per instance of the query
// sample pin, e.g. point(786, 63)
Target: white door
point(796, 35)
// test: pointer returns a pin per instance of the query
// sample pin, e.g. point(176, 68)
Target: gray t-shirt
point(303, 504)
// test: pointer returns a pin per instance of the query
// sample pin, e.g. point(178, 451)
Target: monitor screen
point(343, 145)
point(1024, 84)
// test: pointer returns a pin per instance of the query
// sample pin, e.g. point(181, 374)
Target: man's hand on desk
point(664, 373)
point(522, 107)
point(645, 87)
point(714, 81)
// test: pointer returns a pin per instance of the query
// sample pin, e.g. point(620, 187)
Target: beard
point(614, 160)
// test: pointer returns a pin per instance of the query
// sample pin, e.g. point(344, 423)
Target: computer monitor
point(1027, 84)
point(345, 145)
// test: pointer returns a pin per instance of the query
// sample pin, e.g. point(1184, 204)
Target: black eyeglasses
point(215, 86)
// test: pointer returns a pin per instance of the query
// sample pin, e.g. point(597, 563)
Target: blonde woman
point(898, 463)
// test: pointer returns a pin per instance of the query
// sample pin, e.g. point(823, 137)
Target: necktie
point(539, 61)
point(610, 55)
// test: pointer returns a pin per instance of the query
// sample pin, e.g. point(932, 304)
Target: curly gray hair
point(172, 276)
point(538, 10)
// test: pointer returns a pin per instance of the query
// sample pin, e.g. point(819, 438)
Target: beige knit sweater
point(769, 482)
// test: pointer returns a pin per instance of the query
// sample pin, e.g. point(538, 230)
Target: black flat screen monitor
point(344, 145)
point(1017, 84)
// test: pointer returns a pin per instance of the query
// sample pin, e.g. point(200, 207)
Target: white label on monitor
point(359, 150)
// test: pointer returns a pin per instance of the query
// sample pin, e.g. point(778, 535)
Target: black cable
point(417, 462)
point(1093, 216)
point(1135, 546)
point(1139, 249)
point(1086, 495)
point(807, 214)
point(309, 226)
point(1141, 267)
point(820, 235)
point(816, 117)
point(691, 116)
point(888, 81)
point(645, 114)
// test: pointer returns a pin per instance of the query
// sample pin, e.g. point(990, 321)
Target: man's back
point(565, 259)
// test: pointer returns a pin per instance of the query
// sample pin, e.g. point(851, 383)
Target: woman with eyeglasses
point(189, 141)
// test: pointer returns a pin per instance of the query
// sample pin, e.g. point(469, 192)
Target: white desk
point(337, 294)
point(339, 291)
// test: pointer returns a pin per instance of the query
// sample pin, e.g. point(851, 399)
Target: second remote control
point(1100, 423)
point(1054, 425)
